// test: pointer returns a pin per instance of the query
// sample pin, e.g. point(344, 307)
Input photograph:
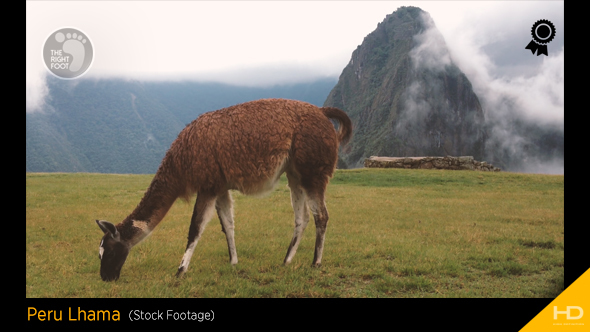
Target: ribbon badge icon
point(543, 33)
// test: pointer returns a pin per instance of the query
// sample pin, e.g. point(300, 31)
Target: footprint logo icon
point(68, 53)
point(73, 46)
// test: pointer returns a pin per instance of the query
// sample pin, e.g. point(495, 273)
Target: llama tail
point(345, 125)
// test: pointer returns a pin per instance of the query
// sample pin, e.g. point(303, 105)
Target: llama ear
point(108, 227)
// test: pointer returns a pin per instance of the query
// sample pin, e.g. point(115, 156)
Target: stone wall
point(448, 162)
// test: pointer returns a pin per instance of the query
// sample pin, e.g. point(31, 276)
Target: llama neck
point(152, 208)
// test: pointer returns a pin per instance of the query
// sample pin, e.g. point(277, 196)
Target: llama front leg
point(202, 213)
point(225, 211)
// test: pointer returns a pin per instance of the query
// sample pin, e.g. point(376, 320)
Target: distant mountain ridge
point(402, 90)
point(119, 126)
point(405, 95)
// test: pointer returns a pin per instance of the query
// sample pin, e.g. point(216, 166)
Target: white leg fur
point(186, 258)
point(319, 211)
point(225, 212)
point(298, 201)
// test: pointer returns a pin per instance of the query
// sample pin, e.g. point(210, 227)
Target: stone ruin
point(448, 162)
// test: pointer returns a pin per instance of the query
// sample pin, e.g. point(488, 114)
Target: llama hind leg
point(320, 216)
point(298, 201)
point(202, 213)
point(225, 211)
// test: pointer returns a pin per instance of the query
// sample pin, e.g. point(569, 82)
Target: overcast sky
point(273, 42)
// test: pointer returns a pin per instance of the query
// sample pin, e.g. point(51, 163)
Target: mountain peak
point(405, 96)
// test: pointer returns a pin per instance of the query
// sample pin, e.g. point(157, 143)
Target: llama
point(246, 147)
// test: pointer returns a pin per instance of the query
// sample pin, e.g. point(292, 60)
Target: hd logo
point(567, 309)
point(568, 312)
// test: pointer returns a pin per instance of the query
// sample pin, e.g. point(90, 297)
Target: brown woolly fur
point(245, 147)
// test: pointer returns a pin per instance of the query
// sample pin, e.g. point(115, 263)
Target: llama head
point(112, 251)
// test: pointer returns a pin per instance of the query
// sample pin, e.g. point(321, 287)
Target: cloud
point(417, 111)
point(430, 51)
point(540, 96)
point(524, 111)
point(255, 43)
point(513, 107)
point(36, 91)
point(522, 94)
point(244, 43)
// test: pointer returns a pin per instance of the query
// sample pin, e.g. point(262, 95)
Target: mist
point(240, 43)
point(522, 94)
point(256, 44)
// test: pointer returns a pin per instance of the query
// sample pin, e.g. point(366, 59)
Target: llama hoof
point(316, 265)
point(180, 272)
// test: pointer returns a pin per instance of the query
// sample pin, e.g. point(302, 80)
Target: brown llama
point(245, 147)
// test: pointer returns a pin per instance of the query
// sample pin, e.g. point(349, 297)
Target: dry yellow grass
point(392, 233)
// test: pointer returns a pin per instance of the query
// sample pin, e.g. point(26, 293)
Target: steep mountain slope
point(405, 95)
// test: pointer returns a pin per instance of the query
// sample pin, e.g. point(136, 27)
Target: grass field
point(392, 233)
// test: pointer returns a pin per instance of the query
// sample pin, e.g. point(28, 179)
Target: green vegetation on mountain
point(405, 96)
point(117, 126)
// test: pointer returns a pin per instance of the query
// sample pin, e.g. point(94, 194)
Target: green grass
point(392, 233)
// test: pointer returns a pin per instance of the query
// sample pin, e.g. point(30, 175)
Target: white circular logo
point(68, 53)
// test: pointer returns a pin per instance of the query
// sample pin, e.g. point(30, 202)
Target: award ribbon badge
point(543, 32)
